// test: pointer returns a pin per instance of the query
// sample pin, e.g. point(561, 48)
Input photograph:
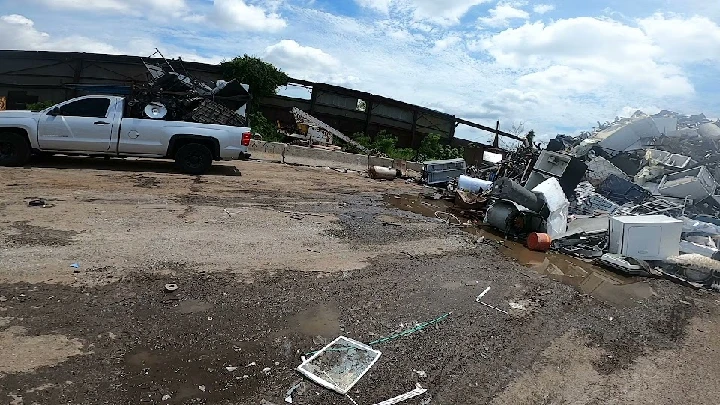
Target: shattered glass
point(340, 365)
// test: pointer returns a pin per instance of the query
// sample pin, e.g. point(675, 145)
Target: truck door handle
point(101, 123)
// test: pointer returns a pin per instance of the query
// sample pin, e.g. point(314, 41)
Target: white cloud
point(306, 62)
point(543, 8)
point(501, 15)
point(17, 19)
point(684, 40)
point(19, 32)
point(238, 15)
point(134, 7)
point(583, 54)
point(628, 111)
point(564, 78)
point(291, 55)
point(571, 39)
point(445, 43)
point(445, 12)
point(382, 6)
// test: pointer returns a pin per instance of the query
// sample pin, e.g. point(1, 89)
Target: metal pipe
point(506, 189)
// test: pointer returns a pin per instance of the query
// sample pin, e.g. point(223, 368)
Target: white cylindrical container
point(379, 172)
point(473, 185)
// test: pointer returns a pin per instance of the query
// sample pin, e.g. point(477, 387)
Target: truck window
point(87, 107)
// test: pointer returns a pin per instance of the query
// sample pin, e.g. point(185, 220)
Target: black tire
point(194, 158)
point(14, 149)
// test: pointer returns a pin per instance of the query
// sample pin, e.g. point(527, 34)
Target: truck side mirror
point(54, 112)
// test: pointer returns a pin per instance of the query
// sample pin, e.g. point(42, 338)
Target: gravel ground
point(273, 262)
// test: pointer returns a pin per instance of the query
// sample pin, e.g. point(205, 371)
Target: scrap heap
point(172, 96)
point(638, 195)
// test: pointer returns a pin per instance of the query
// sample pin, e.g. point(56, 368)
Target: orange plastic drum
point(539, 242)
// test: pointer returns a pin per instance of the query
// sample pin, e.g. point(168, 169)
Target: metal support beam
point(484, 128)
point(496, 143)
point(77, 74)
point(313, 100)
point(368, 117)
point(415, 142)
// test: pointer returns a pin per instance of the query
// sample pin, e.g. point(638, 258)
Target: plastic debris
point(201, 388)
point(288, 395)
point(414, 329)
point(478, 299)
point(231, 368)
point(420, 373)
point(166, 397)
point(419, 390)
point(171, 287)
point(75, 265)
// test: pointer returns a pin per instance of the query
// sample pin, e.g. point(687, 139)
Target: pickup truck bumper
point(234, 153)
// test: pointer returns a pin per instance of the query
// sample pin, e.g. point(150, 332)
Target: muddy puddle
point(586, 277)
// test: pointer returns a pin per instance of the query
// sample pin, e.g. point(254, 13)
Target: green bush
point(260, 125)
point(384, 143)
point(39, 106)
point(432, 148)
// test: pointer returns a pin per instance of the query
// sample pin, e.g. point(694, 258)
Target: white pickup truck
point(96, 126)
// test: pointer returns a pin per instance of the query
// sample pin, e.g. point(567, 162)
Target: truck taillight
point(246, 138)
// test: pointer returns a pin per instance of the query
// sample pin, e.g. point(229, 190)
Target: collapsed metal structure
point(31, 76)
point(169, 95)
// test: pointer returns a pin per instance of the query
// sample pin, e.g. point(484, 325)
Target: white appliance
point(648, 237)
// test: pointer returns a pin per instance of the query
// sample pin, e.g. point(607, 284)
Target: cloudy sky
point(556, 65)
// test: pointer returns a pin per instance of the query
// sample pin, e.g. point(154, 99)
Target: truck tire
point(194, 158)
point(14, 149)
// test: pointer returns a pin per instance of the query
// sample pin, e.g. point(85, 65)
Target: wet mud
point(585, 276)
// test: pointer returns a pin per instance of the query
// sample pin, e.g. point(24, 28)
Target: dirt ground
point(272, 262)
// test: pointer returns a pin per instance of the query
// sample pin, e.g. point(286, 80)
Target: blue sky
point(557, 66)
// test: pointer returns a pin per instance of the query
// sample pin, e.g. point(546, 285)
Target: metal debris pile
point(173, 96)
point(637, 195)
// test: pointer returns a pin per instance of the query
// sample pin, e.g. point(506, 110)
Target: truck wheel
point(194, 158)
point(14, 149)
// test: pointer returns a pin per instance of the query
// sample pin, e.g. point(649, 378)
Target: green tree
point(262, 77)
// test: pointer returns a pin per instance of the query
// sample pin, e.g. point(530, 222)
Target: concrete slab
point(300, 155)
point(270, 151)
